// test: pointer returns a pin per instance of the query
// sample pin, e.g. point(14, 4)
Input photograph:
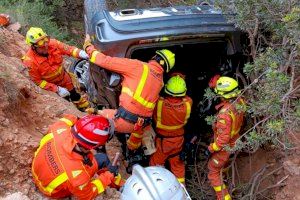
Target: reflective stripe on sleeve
point(55, 74)
point(94, 55)
point(43, 84)
point(220, 188)
point(74, 52)
point(215, 147)
point(67, 121)
point(98, 185)
point(137, 135)
point(118, 179)
point(181, 180)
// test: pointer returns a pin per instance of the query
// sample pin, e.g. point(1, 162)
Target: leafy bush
point(34, 13)
point(273, 29)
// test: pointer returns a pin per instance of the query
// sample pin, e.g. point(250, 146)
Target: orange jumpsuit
point(48, 72)
point(141, 85)
point(170, 116)
point(58, 171)
point(230, 119)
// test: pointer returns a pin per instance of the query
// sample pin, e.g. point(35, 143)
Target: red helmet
point(92, 131)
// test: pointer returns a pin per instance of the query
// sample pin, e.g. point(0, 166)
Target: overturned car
point(204, 43)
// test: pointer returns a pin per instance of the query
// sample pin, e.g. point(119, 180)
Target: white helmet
point(153, 183)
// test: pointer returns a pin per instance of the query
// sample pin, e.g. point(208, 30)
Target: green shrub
point(273, 28)
point(34, 13)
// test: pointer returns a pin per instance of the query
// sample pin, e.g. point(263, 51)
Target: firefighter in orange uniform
point(226, 129)
point(170, 115)
point(141, 85)
point(63, 165)
point(44, 61)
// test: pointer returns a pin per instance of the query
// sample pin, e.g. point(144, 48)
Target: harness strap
point(133, 118)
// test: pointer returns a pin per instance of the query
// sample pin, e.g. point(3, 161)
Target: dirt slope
point(25, 113)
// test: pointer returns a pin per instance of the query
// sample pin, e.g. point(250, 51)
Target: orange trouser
point(169, 149)
point(215, 164)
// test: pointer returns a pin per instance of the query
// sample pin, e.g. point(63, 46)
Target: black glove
point(113, 169)
point(207, 153)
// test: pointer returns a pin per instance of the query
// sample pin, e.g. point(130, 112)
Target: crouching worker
point(153, 183)
point(44, 61)
point(170, 115)
point(226, 129)
point(64, 165)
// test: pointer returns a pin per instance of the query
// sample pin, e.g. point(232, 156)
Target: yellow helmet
point(168, 58)
point(176, 86)
point(227, 87)
point(34, 34)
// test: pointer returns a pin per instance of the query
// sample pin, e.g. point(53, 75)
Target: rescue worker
point(170, 115)
point(44, 61)
point(229, 121)
point(153, 183)
point(141, 85)
point(63, 165)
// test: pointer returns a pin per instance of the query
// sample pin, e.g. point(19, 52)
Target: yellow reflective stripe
point(137, 135)
point(54, 74)
point(215, 147)
point(181, 180)
point(188, 111)
point(43, 141)
point(98, 185)
point(74, 52)
point(67, 121)
point(56, 182)
point(220, 188)
point(43, 84)
point(136, 145)
point(165, 127)
point(233, 131)
point(227, 197)
point(118, 179)
point(137, 94)
point(127, 91)
point(94, 55)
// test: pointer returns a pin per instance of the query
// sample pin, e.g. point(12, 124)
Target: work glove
point(83, 55)
point(113, 169)
point(117, 182)
point(106, 178)
point(62, 92)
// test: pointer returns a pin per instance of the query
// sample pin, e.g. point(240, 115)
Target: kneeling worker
point(170, 115)
point(63, 164)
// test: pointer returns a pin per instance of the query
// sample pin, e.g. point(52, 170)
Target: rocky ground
point(25, 113)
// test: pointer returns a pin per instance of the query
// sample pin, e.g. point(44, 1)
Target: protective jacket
point(141, 83)
point(229, 121)
point(48, 72)
point(170, 116)
point(58, 171)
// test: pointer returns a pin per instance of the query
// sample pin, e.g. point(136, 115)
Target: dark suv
point(204, 42)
